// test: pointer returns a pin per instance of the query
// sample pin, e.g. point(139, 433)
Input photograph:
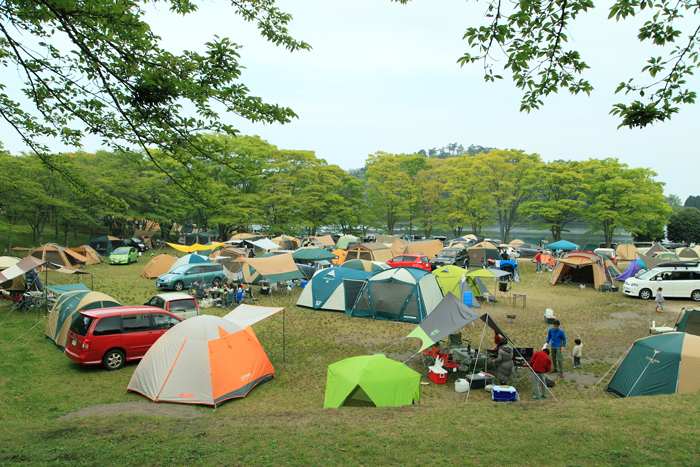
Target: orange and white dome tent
point(203, 360)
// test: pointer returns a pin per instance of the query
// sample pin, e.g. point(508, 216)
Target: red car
point(415, 260)
point(114, 336)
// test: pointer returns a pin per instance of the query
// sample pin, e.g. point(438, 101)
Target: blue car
point(182, 277)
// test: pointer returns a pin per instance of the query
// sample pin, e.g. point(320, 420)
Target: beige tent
point(429, 248)
point(626, 251)
point(158, 265)
point(227, 255)
point(370, 252)
point(91, 256)
point(656, 248)
point(516, 242)
point(390, 239)
point(482, 251)
point(246, 236)
point(686, 253)
point(325, 240)
point(581, 267)
point(146, 236)
point(15, 284)
point(287, 243)
point(274, 268)
point(57, 254)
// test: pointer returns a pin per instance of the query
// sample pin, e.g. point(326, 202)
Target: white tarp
point(247, 315)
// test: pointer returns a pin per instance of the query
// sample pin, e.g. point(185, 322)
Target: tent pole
point(613, 366)
point(284, 335)
point(476, 359)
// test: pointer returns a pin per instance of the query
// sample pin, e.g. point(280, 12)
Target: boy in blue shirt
point(557, 339)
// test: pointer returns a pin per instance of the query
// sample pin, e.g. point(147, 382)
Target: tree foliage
point(534, 37)
point(684, 226)
point(95, 67)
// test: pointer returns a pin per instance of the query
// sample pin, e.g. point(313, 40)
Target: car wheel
point(695, 296)
point(178, 286)
point(645, 294)
point(113, 360)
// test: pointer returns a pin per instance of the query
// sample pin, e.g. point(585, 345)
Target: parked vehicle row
point(682, 281)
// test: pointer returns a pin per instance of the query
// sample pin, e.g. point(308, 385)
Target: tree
point(675, 202)
point(466, 201)
point(684, 226)
point(533, 35)
point(114, 80)
point(692, 202)
point(388, 189)
point(510, 180)
point(622, 198)
point(558, 201)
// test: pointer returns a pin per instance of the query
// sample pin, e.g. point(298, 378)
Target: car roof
point(120, 310)
point(410, 254)
point(173, 296)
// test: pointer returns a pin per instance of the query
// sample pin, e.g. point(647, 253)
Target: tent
point(429, 248)
point(689, 321)
point(370, 252)
point(686, 253)
point(61, 289)
point(58, 255)
point(581, 267)
point(202, 360)
point(449, 278)
point(67, 306)
point(590, 246)
point(632, 270)
point(612, 269)
point(227, 257)
point(14, 284)
point(325, 240)
point(341, 254)
point(398, 294)
point(325, 291)
point(200, 237)
point(313, 254)
point(91, 256)
point(287, 243)
point(246, 236)
point(661, 364)
point(158, 265)
point(656, 248)
point(189, 259)
point(448, 316)
point(343, 241)
point(563, 245)
point(146, 236)
point(105, 244)
point(364, 265)
point(482, 251)
point(196, 247)
point(385, 238)
point(274, 268)
point(626, 251)
point(371, 381)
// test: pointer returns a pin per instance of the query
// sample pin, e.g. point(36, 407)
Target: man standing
point(540, 364)
point(538, 261)
point(557, 339)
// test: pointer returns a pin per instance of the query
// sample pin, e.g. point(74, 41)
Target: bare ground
point(138, 408)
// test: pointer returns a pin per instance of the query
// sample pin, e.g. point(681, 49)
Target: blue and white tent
point(189, 259)
point(326, 290)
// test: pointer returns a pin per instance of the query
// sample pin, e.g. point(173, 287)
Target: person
point(193, 288)
point(496, 341)
point(251, 253)
point(659, 301)
point(557, 339)
point(504, 361)
point(538, 261)
point(540, 364)
point(578, 349)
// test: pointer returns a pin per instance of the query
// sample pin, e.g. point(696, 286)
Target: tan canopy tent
point(626, 251)
point(146, 236)
point(58, 255)
point(687, 253)
point(274, 268)
point(158, 265)
point(581, 267)
point(226, 257)
point(390, 239)
point(286, 243)
point(370, 252)
point(325, 240)
point(482, 251)
point(656, 248)
point(91, 256)
point(429, 248)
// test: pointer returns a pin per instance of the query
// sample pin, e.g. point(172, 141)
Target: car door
point(162, 322)
point(192, 274)
point(683, 284)
point(666, 282)
point(137, 334)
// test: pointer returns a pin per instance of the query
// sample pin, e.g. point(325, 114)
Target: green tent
point(689, 321)
point(591, 246)
point(449, 278)
point(661, 364)
point(371, 381)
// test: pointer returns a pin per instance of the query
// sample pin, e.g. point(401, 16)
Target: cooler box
point(467, 298)
point(438, 376)
point(549, 316)
point(504, 394)
point(303, 283)
point(479, 382)
point(549, 320)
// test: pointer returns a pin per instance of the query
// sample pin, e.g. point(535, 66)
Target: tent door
point(358, 398)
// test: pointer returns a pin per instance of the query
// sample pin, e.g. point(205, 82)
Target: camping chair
point(239, 297)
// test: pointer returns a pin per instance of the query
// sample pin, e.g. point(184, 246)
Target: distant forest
point(451, 150)
point(692, 202)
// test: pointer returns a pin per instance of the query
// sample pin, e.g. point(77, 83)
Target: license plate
point(75, 342)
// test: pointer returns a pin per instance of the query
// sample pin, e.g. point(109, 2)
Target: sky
point(384, 77)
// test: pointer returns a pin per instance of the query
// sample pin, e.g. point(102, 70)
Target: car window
point(121, 251)
point(163, 321)
point(108, 326)
point(682, 276)
point(196, 270)
point(182, 305)
point(136, 323)
point(157, 302)
point(80, 325)
point(424, 259)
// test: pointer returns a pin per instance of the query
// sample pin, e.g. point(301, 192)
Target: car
point(676, 279)
point(124, 255)
point(415, 260)
point(135, 242)
point(113, 336)
point(182, 277)
point(451, 256)
point(528, 250)
point(178, 303)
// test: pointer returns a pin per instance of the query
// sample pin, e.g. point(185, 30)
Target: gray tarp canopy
point(447, 317)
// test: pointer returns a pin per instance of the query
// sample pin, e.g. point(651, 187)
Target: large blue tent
point(563, 245)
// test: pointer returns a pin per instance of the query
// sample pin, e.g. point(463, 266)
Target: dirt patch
point(622, 319)
point(581, 378)
point(137, 408)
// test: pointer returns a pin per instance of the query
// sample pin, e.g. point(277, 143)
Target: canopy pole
point(476, 359)
point(284, 335)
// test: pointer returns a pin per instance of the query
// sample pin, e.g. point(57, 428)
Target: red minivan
point(114, 336)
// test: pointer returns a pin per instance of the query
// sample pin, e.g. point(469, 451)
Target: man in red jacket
point(540, 364)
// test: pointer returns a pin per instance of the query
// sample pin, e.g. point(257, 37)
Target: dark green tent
point(660, 364)
point(371, 381)
point(689, 321)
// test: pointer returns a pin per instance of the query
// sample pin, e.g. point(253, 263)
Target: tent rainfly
point(65, 309)
point(158, 265)
point(370, 252)
point(689, 321)
point(105, 244)
point(449, 278)
point(582, 268)
point(58, 255)
point(91, 256)
point(448, 316)
point(326, 291)
point(626, 251)
point(274, 268)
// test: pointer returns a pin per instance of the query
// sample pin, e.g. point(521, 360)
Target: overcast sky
point(383, 77)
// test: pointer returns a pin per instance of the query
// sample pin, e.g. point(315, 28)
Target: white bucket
point(461, 385)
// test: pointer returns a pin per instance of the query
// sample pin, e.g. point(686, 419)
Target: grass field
point(282, 422)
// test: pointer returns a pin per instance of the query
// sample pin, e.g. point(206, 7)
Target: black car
point(527, 250)
point(134, 242)
point(451, 256)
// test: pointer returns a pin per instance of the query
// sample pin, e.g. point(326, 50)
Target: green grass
point(282, 422)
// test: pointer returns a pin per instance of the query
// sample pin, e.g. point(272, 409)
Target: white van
point(180, 304)
point(682, 281)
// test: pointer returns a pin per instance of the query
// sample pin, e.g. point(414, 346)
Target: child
point(659, 301)
point(577, 353)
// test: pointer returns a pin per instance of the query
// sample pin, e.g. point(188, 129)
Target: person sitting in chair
point(504, 361)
